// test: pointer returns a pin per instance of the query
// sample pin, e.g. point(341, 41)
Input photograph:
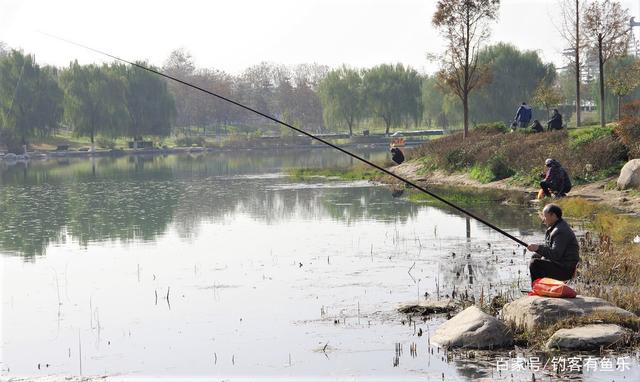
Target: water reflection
point(138, 198)
point(263, 271)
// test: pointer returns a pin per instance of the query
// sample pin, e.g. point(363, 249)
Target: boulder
point(472, 328)
point(587, 337)
point(531, 312)
point(629, 175)
point(426, 307)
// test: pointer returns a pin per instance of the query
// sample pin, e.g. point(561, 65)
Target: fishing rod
point(269, 117)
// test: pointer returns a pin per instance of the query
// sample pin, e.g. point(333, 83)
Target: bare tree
point(574, 37)
point(180, 64)
point(465, 26)
point(607, 27)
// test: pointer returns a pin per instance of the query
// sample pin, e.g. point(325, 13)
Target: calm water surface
point(221, 266)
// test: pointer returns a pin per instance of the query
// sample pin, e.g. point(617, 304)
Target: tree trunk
point(465, 97)
point(619, 108)
point(578, 105)
point(465, 110)
point(601, 68)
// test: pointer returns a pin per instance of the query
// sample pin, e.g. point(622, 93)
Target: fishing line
point(382, 169)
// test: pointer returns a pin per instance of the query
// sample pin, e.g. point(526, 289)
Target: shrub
point(106, 143)
point(457, 159)
point(190, 141)
point(500, 168)
point(491, 128)
point(495, 169)
point(629, 135)
point(587, 135)
point(481, 173)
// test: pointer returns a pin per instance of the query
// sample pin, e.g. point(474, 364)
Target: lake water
point(220, 266)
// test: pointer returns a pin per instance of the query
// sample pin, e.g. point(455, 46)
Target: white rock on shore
point(629, 175)
point(472, 328)
point(531, 312)
point(587, 337)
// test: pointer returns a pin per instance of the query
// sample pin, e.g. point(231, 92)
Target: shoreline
point(44, 154)
point(626, 201)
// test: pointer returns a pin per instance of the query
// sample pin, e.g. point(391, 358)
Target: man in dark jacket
point(558, 257)
point(555, 123)
point(397, 155)
point(556, 179)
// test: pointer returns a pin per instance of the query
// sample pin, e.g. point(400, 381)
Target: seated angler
point(397, 155)
point(558, 257)
point(556, 181)
point(536, 127)
point(555, 123)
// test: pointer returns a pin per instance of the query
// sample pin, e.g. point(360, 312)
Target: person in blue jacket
point(523, 115)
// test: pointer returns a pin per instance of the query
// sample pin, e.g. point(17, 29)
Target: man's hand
point(533, 247)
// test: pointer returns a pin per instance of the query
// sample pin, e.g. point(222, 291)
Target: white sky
point(233, 34)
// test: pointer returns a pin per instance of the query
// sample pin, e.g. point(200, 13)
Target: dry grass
point(610, 266)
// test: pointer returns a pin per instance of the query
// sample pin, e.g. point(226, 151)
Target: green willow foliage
point(109, 100)
point(30, 100)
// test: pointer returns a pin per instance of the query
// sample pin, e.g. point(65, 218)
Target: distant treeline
point(115, 100)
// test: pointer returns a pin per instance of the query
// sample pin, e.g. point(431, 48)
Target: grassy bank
point(492, 153)
point(610, 266)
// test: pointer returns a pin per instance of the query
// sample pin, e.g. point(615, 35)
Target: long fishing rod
point(382, 169)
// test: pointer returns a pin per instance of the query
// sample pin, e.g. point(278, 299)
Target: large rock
point(587, 337)
point(472, 328)
point(531, 312)
point(630, 175)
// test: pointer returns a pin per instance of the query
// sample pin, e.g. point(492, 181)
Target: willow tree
point(608, 31)
point(465, 26)
point(341, 95)
point(93, 100)
point(151, 107)
point(30, 100)
point(392, 93)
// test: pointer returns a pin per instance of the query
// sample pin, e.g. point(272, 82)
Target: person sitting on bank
point(397, 155)
point(537, 126)
point(556, 180)
point(555, 123)
point(558, 257)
